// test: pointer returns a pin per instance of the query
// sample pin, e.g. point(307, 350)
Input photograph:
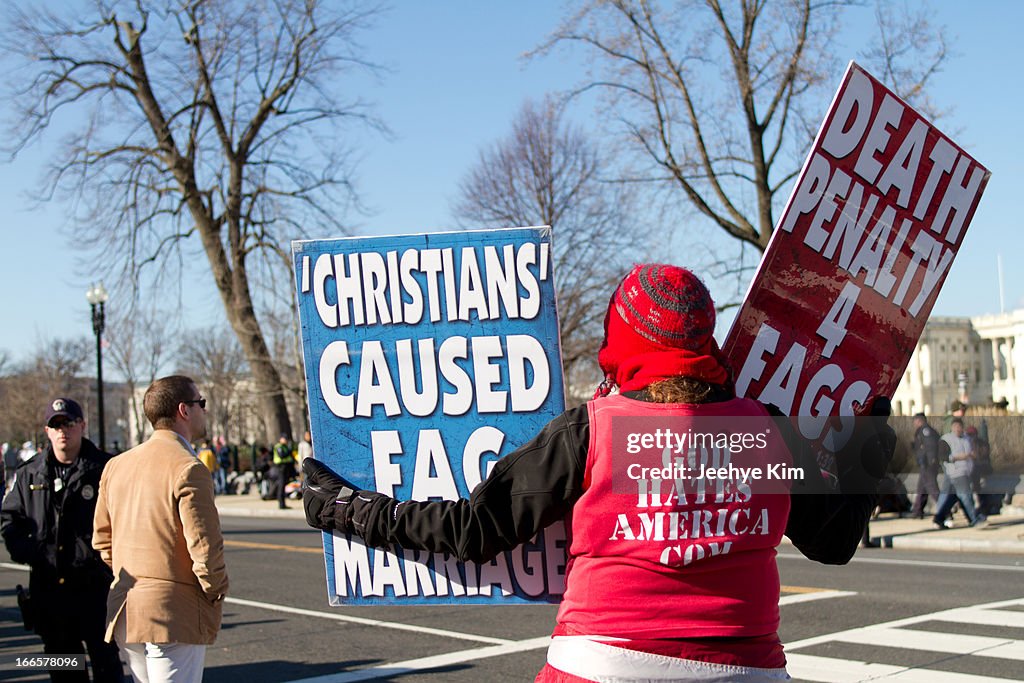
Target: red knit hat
point(657, 309)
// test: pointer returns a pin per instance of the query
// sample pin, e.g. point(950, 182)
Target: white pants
point(161, 662)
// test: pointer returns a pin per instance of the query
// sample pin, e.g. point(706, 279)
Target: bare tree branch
point(201, 127)
point(711, 95)
point(546, 172)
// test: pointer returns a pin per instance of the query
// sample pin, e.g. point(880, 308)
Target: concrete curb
point(292, 512)
point(954, 545)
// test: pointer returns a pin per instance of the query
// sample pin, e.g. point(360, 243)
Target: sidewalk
point(250, 505)
point(1003, 534)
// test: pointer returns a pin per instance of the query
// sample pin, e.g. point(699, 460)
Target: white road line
point(812, 668)
point(807, 667)
point(911, 639)
point(899, 623)
point(935, 676)
point(461, 657)
point(369, 622)
point(986, 617)
point(1011, 650)
point(917, 563)
point(831, 670)
point(424, 663)
point(342, 617)
point(894, 634)
point(823, 594)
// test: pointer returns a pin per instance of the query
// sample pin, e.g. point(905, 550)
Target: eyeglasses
point(64, 424)
point(200, 401)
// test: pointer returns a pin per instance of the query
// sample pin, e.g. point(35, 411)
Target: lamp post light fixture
point(97, 296)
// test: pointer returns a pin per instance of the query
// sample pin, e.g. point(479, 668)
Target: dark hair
point(920, 415)
point(162, 398)
point(957, 421)
point(687, 390)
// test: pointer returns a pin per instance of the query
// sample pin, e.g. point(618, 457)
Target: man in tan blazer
point(157, 528)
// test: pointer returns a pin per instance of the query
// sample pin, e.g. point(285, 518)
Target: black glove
point(326, 497)
point(877, 456)
point(881, 406)
point(869, 453)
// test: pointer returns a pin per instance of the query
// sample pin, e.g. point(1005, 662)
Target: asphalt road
point(884, 613)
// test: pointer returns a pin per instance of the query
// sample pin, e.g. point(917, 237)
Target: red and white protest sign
point(856, 262)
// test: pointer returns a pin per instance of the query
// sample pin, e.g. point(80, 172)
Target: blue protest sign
point(428, 358)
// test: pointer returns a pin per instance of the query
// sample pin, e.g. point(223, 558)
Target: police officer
point(284, 461)
point(926, 450)
point(46, 522)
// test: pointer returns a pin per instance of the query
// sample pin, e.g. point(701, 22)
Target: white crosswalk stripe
point(986, 617)
point(812, 668)
point(952, 643)
point(832, 670)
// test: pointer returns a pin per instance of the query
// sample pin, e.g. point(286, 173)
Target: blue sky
point(456, 81)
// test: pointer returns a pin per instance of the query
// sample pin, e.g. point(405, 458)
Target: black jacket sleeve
point(528, 489)
point(827, 527)
point(826, 524)
point(21, 522)
point(930, 446)
point(539, 483)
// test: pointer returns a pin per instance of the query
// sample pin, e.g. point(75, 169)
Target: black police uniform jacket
point(926, 447)
point(51, 531)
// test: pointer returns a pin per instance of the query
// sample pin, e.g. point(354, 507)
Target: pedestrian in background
point(157, 527)
point(266, 473)
point(46, 522)
point(926, 452)
point(305, 447)
point(27, 452)
point(220, 477)
point(209, 459)
point(989, 503)
point(631, 610)
point(10, 464)
point(958, 458)
point(284, 461)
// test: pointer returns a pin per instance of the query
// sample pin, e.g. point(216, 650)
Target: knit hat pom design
point(667, 305)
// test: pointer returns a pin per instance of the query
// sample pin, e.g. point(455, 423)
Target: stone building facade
point(973, 360)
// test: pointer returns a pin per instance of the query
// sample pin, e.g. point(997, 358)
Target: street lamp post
point(97, 296)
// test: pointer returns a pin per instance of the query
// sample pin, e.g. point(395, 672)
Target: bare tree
point(140, 346)
point(207, 123)
point(281, 324)
point(906, 53)
point(52, 371)
point(547, 172)
point(214, 359)
point(56, 365)
point(714, 96)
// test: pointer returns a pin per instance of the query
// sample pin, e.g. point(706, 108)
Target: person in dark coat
point(46, 522)
point(926, 451)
